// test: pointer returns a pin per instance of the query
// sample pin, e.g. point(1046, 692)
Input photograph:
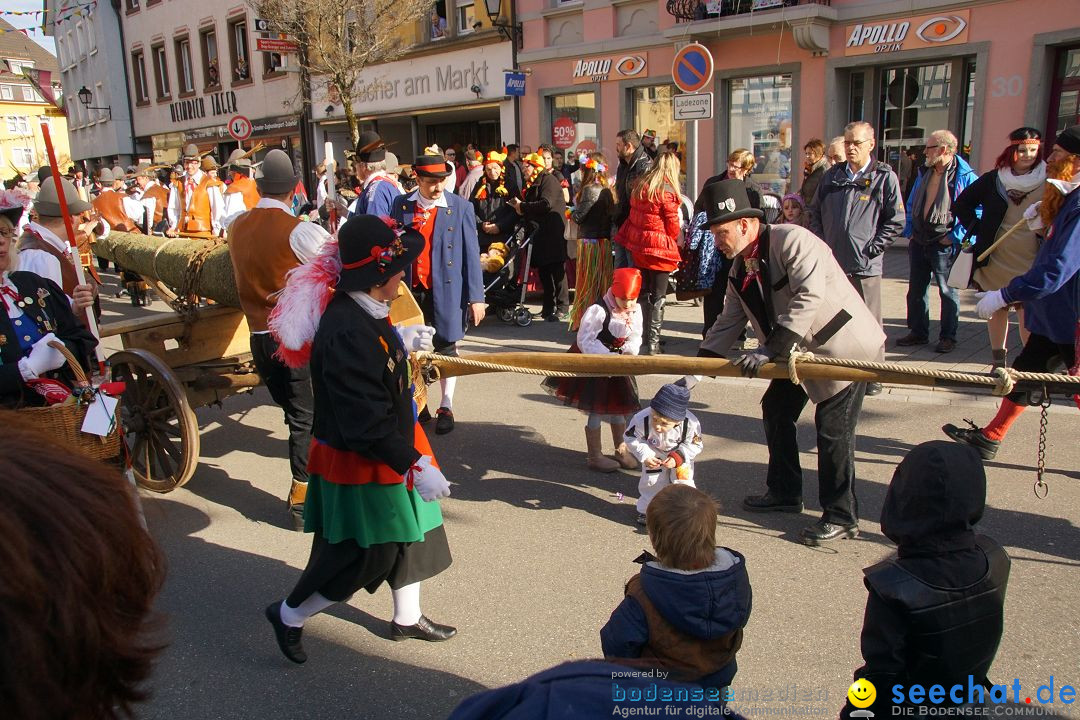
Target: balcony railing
point(692, 10)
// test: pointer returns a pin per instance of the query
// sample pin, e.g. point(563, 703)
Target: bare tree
point(339, 38)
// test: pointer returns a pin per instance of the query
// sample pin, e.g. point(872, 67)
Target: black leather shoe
point(424, 629)
point(771, 503)
point(288, 637)
point(822, 531)
point(974, 437)
point(424, 416)
point(873, 389)
point(444, 421)
point(912, 339)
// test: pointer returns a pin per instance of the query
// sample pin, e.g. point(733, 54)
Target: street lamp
point(86, 97)
point(511, 31)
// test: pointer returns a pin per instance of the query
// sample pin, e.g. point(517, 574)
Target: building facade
point(787, 71)
point(194, 69)
point(90, 53)
point(448, 88)
point(22, 146)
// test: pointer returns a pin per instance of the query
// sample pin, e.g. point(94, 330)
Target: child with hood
point(935, 611)
point(686, 610)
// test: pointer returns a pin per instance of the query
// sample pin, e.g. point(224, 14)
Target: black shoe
point(444, 422)
point(640, 519)
point(288, 637)
point(771, 503)
point(297, 514)
point(424, 416)
point(424, 629)
point(945, 345)
point(874, 389)
point(912, 339)
point(822, 531)
point(974, 437)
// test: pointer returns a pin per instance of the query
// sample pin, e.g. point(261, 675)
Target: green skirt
point(370, 514)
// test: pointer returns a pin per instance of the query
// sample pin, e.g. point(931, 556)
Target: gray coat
point(810, 304)
point(858, 219)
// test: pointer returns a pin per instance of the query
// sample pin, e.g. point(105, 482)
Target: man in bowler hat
point(787, 284)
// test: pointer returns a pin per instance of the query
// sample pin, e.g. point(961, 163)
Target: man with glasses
point(196, 205)
point(858, 211)
point(934, 240)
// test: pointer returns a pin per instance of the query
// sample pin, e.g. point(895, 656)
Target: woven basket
point(63, 422)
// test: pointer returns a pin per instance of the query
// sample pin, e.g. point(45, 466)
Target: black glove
point(750, 363)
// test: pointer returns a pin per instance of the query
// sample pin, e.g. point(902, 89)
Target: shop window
point(652, 108)
point(211, 66)
point(760, 121)
point(914, 103)
point(138, 67)
point(184, 72)
point(161, 72)
point(573, 122)
point(857, 96)
point(238, 49)
point(1065, 93)
point(967, 128)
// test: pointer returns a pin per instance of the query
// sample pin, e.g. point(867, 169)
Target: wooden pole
point(986, 253)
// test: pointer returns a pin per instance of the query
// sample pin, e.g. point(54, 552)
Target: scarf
point(930, 227)
point(1017, 187)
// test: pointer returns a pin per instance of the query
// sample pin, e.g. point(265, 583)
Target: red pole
point(73, 248)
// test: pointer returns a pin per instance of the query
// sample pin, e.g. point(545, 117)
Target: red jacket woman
point(651, 234)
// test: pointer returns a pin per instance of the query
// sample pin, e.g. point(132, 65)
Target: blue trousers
point(931, 263)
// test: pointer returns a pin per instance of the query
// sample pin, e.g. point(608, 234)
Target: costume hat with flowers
point(626, 283)
point(727, 200)
point(495, 157)
point(13, 205)
point(373, 249)
point(431, 166)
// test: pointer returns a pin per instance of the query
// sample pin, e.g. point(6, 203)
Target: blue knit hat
point(671, 401)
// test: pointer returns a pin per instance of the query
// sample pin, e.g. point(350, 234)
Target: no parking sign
point(692, 69)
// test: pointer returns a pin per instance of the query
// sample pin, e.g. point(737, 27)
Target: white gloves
point(43, 358)
point(990, 303)
point(418, 337)
point(429, 481)
point(1034, 220)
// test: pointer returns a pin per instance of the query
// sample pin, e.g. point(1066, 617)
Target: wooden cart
point(172, 367)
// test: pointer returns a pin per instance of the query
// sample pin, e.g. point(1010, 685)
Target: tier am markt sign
point(692, 69)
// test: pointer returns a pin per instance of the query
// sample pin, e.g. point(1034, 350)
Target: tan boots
point(596, 460)
point(625, 459)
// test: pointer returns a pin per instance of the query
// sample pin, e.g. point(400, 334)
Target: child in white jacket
point(665, 438)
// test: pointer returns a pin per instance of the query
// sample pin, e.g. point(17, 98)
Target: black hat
point(431, 166)
point(275, 175)
point(1070, 140)
point(370, 147)
point(726, 200)
point(44, 173)
point(671, 401)
point(372, 250)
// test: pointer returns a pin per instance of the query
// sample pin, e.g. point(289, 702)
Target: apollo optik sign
point(913, 33)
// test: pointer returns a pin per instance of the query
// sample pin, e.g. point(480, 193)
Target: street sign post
point(694, 106)
point(276, 45)
point(692, 69)
point(239, 128)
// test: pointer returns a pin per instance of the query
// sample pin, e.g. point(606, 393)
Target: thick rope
point(1002, 383)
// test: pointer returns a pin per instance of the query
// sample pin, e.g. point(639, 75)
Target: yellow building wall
point(58, 131)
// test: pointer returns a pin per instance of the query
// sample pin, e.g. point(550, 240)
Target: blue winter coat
point(706, 604)
point(456, 277)
point(587, 690)
point(964, 177)
point(1050, 290)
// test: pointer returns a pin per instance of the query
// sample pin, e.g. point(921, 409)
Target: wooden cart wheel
point(160, 430)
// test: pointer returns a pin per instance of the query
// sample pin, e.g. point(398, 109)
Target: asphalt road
point(542, 548)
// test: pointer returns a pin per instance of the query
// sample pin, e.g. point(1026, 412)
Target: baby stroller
point(504, 290)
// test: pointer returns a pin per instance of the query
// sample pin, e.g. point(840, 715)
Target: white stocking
point(447, 386)
point(296, 617)
point(407, 605)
